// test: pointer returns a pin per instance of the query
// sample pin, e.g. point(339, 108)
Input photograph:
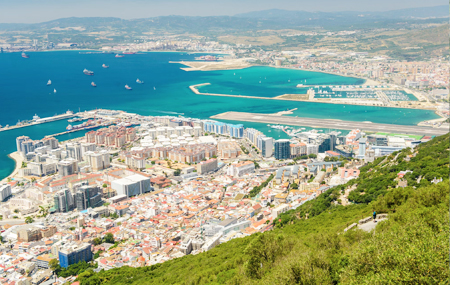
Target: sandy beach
point(18, 160)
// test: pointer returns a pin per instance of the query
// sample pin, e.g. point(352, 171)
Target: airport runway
point(330, 123)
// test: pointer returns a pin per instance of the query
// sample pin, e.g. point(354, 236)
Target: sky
point(35, 11)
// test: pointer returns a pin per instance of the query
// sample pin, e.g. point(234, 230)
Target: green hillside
point(309, 245)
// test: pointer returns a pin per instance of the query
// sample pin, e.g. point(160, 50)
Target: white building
point(132, 185)
point(241, 168)
point(5, 192)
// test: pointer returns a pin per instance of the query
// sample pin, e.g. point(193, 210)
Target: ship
point(24, 55)
point(93, 84)
point(88, 72)
point(49, 82)
point(128, 87)
point(105, 66)
point(128, 52)
point(118, 55)
point(69, 127)
point(140, 82)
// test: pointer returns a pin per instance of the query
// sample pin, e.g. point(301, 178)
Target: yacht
point(49, 82)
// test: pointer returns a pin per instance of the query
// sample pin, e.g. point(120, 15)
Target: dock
point(329, 123)
point(39, 121)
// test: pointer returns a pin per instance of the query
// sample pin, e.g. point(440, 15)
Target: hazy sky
point(32, 11)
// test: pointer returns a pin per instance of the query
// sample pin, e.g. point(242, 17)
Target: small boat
point(24, 55)
point(54, 90)
point(154, 88)
point(128, 87)
point(49, 82)
point(118, 55)
point(140, 82)
point(88, 72)
point(105, 66)
point(93, 84)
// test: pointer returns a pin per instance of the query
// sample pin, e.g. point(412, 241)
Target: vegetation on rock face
point(309, 246)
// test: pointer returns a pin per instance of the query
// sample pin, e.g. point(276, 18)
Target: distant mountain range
point(267, 19)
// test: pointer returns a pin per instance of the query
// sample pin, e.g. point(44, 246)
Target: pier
point(39, 121)
point(329, 123)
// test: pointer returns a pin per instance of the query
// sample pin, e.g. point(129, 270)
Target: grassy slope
point(410, 247)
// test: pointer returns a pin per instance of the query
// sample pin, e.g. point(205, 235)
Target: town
point(140, 190)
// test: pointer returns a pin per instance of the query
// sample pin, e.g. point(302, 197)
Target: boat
point(140, 82)
point(69, 127)
point(154, 88)
point(93, 84)
point(105, 66)
point(49, 82)
point(24, 55)
point(118, 55)
point(88, 72)
point(54, 90)
point(128, 87)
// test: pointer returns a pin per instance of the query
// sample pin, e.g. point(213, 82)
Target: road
point(329, 123)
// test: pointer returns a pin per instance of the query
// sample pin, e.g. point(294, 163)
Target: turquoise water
point(23, 92)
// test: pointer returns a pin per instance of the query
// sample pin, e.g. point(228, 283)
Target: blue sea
point(24, 93)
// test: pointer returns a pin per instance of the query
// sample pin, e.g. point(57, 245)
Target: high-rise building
point(74, 151)
point(25, 145)
point(282, 149)
point(74, 253)
point(362, 148)
point(266, 146)
point(88, 197)
point(67, 167)
point(98, 160)
point(5, 192)
point(63, 201)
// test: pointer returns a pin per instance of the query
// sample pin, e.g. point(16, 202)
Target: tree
point(54, 265)
point(29, 220)
point(97, 241)
point(104, 185)
point(108, 238)
point(312, 155)
point(33, 179)
point(177, 172)
point(24, 164)
point(16, 211)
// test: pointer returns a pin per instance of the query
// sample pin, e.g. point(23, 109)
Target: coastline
point(18, 161)
point(207, 67)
